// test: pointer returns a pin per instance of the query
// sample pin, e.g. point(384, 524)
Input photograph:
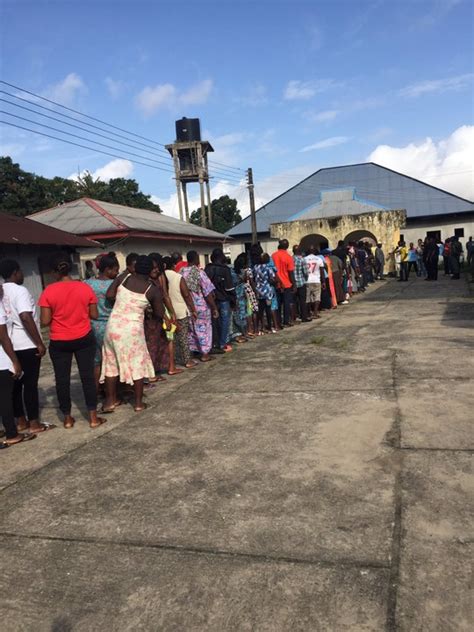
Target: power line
point(69, 142)
point(92, 118)
point(55, 129)
point(71, 125)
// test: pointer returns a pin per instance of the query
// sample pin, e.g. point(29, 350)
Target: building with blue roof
point(429, 209)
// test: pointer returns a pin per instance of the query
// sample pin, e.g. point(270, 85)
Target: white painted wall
point(413, 232)
point(234, 248)
point(145, 246)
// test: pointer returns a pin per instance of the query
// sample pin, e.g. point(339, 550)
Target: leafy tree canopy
point(225, 214)
point(23, 193)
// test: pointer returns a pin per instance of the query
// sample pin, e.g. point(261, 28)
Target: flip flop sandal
point(176, 372)
point(3, 445)
point(43, 428)
point(24, 437)
point(139, 409)
point(100, 421)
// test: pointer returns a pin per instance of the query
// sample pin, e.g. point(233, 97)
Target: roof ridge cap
point(95, 206)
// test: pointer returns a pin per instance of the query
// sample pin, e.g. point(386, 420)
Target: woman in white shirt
point(20, 308)
point(10, 370)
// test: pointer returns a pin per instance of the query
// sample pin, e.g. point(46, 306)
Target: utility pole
point(253, 217)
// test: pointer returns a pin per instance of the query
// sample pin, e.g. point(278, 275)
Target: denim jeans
point(225, 314)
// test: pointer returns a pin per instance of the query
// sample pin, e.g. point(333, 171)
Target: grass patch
point(317, 340)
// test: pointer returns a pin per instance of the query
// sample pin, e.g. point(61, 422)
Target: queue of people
point(163, 315)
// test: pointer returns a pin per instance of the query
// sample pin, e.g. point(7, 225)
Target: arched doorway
point(313, 239)
point(361, 235)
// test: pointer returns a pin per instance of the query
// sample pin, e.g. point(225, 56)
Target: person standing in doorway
point(430, 258)
point(285, 271)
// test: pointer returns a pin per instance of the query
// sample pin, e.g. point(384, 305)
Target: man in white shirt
point(20, 308)
point(315, 265)
point(10, 370)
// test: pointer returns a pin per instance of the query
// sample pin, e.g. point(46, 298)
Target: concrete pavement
point(318, 479)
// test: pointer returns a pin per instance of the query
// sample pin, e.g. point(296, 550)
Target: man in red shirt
point(285, 270)
point(177, 259)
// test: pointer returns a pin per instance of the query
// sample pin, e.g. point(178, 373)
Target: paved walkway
point(316, 480)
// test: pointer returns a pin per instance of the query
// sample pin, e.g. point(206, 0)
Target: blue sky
point(286, 87)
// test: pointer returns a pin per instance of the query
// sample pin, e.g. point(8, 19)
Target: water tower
point(190, 165)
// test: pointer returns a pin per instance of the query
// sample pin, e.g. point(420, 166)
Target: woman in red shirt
point(67, 307)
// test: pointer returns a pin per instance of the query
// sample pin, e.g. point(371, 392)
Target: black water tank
point(188, 129)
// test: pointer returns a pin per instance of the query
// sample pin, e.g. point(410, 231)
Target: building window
point(459, 232)
point(434, 233)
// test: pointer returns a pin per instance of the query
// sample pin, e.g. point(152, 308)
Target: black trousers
point(61, 352)
point(301, 301)
point(403, 271)
point(6, 404)
point(25, 391)
point(431, 270)
point(412, 264)
point(264, 308)
point(284, 300)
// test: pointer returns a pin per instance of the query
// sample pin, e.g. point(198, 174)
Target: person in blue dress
point(108, 267)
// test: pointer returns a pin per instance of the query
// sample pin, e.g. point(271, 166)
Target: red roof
point(21, 230)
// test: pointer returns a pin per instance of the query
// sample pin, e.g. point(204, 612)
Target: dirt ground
point(319, 479)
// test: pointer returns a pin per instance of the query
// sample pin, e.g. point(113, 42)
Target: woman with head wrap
point(125, 354)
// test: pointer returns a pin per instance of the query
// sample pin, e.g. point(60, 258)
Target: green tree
point(20, 191)
point(225, 214)
point(23, 193)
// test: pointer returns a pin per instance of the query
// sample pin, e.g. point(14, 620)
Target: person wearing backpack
point(225, 296)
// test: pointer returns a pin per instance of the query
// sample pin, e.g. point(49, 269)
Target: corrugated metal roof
point(91, 217)
point(21, 230)
point(371, 182)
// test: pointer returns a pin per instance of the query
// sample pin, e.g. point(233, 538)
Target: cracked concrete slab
point(296, 483)
point(311, 484)
point(437, 546)
point(88, 587)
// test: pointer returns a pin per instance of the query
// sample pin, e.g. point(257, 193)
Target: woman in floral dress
point(125, 355)
point(202, 290)
point(108, 267)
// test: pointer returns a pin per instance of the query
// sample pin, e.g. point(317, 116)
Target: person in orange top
point(285, 270)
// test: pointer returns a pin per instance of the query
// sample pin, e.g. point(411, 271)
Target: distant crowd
point(162, 315)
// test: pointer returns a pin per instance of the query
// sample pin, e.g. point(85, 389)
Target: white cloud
point(151, 99)
point(119, 168)
point(327, 142)
point(322, 117)
point(197, 94)
point(446, 164)
point(67, 90)
point(303, 90)
point(115, 87)
point(166, 95)
point(437, 86)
